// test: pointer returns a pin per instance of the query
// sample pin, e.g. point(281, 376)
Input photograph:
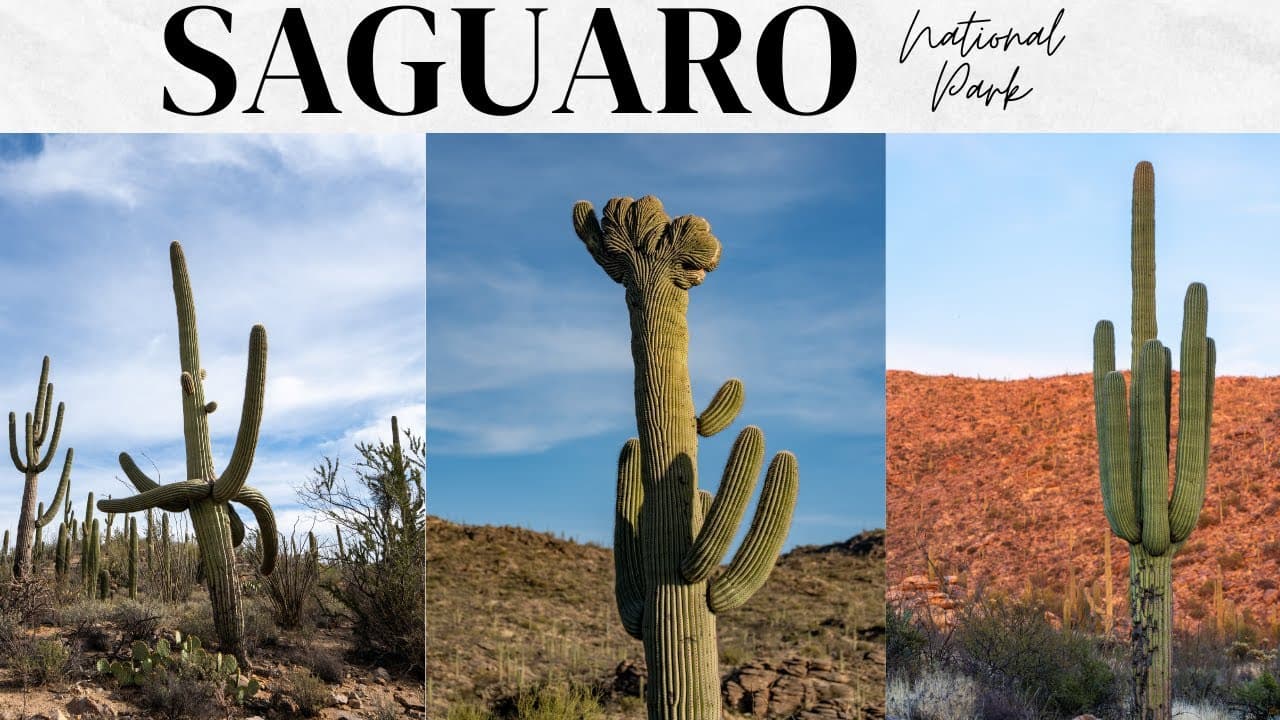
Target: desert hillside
point(995, 483)
point(509, 609)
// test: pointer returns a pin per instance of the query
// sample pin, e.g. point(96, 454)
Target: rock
point(410, 706)
point(381, 676)
point(340, 699)
point(795, 688)
point(90, 707)
point(57, 715)
point(354, 702)
point(283, 703)
point(629, 677)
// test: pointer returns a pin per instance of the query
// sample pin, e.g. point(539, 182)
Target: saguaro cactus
point(31, 463)
point(205, 494)
point(1133, 452)
point(669, 536)
point(133, 558)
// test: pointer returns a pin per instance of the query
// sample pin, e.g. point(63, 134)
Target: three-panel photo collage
point(664, 426)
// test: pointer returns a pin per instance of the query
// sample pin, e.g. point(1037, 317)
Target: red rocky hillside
point(995, 484)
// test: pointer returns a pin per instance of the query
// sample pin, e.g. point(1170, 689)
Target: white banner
point(640, 66)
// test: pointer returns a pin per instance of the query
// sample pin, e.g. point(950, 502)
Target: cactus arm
point(53, 442)
point(257, 503)
point(705, 499)
point(31, 446)
point(722, 409)
point(144, 483)
point(1191, 467)
point(588, 230)
point(64, 482)
point(185, 492)
point(754, 559)
point(135, 474)
point(1118, 492)
point(1155, 462)
point(232, 479)
point(44, 399)
point(13, 444)
point(628, 584)
point(739, 479)
point(237, 526)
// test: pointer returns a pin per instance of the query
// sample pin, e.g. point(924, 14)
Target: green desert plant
point(669, 536)
point(291, 586)
point(33, 462)
point(381, 564)
point(1133, 452)
point(207, 495)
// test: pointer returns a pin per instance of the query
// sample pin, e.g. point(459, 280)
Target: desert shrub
point(135, 620)
point(88, 622)
point(1010, 645)
point(29, 601)
point(39, 661)
point(310, 692)
point(933, 695)
point(466, 711)
point(325, 665)
point(1258, 699)
point(260, 629)
point(904, 643)
point(557, 702)
point(291, 586)
point(182, 691)
point(197, 619)
point(381, 513)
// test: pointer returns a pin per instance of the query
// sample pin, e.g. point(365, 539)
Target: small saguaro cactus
point(669, 536)
point(31, 463)
point(1133, 452)
point(60, 554)
point(207, 495)
point(90, 562)
point(133, 559)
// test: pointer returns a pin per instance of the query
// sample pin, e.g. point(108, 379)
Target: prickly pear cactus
point(1133, 452)
point(33, 461)
point(207, 495)
point(669, 536)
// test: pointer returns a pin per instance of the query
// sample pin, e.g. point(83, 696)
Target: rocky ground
point(363, 691)
point(509, 608)
point(993, 486)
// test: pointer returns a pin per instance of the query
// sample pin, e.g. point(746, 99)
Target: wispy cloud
point(319, 238)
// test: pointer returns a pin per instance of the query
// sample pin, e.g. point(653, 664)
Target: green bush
point(904, 643)
point(1011, 645)
point(557, 702)
point(309, 691)
point(40, 662)
point(1258, 699)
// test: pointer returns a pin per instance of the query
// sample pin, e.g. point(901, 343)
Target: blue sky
point(1005, 250)
point(529, 364)
point(319, 238)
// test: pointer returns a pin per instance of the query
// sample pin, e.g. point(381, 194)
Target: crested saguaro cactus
point(34, 461)
point(669, 536)
point(205, 494)
point(1133, 452)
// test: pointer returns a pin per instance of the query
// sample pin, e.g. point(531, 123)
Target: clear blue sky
point(529, 366)
point(1005, 250)
point(319, 238)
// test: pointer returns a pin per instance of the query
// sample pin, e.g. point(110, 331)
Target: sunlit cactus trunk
point(1133, 453)
point(206, 495)
point(669, 536)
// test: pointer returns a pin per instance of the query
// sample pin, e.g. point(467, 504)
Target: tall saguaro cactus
point(205, 494)
point(669, 536)
point(1133, 452)
point(31, 463)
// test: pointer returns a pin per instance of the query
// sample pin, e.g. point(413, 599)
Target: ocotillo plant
point(669, 536)
point(206, 495)
point(31, 463)
point(1133, 452)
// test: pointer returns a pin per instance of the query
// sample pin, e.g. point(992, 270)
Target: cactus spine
point(207, 495)
point(31, 463)
point(669, 536)
point(1133, 452)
